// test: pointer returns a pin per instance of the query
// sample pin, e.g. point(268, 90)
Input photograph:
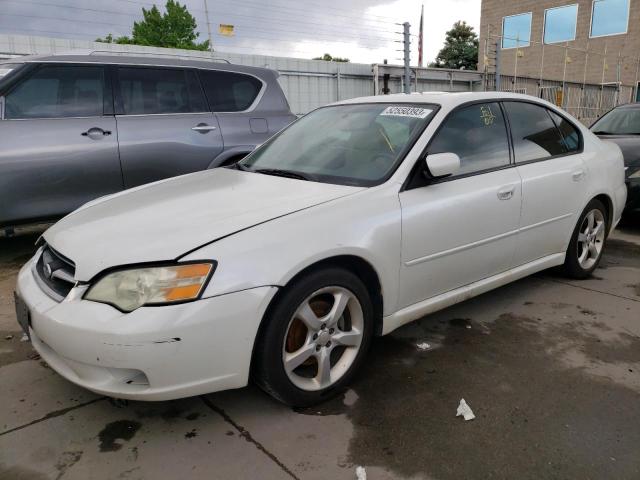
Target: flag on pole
point(420, 39)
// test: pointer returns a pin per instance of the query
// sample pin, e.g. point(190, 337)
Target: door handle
point(203, 128)
point(577, 176)
point(96, 132)
point(506, 193)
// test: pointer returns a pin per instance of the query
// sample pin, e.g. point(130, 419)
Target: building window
point(609, 17)
point(516, 30)
point(560, 24)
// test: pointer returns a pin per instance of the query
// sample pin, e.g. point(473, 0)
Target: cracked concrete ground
point(550, 367)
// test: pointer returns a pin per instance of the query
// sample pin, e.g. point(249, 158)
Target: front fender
point(366, 225)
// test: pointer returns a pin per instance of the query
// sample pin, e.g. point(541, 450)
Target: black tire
point(572, 267)
point(268, 370)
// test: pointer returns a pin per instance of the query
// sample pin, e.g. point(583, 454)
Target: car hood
point(630, 146)
point(164, 220)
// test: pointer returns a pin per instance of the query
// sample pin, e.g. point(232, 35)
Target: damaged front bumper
point(152, 353)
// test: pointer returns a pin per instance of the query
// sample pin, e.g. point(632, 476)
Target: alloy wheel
point(591, 238)
point(323, 338)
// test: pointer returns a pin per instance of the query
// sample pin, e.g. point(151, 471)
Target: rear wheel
point(315, 338)
point(587, 242)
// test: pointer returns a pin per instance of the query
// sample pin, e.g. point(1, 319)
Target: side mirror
point(440, 165)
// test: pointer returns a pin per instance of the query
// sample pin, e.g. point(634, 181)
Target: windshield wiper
point(602, 132)
point(277, 172)
point(238, 166)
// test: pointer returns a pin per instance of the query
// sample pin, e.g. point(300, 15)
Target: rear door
point(549, 158)
point(164, 125)
point(58, 142)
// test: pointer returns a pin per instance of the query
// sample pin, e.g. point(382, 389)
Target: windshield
point(621, 121)
point(345, 144)
point(6, 68)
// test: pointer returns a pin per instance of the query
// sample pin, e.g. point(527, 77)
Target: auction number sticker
point(414, 112)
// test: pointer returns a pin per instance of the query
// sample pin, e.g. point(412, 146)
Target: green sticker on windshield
point(413, 112)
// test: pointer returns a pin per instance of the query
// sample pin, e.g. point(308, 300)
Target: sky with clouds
point(361, 30)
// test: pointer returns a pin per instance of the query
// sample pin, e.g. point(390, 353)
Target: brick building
point(593, 42)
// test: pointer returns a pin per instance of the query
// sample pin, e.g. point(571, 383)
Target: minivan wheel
point(315, 338)
point(587, 242)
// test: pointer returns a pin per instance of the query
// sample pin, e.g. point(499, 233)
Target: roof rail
point(158, 54)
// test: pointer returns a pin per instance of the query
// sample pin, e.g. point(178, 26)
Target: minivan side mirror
point(441, 165)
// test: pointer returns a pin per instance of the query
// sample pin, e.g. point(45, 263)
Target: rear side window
point(147, 91)
point(229, 91)
point(535, 136)
point(569, 133)
point(477, 134)
point(58, 91)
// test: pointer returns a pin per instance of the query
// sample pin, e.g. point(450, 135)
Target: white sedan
point(358, 218)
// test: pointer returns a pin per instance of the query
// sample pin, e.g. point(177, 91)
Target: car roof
point(145, 60)
point(628, 105)
point(445, 99)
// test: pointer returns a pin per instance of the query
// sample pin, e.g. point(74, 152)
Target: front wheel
point(587, 242)
point(315, 338)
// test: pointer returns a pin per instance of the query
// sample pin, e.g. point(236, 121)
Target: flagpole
point(421, 35)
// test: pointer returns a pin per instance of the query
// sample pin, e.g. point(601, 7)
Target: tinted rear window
point(229, 91)
point(535, 136)
point(146, 91)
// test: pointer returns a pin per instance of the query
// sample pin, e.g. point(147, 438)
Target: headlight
point(130, 289)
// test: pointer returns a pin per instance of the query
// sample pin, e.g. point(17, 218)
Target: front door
point(462, 229)
point(165, 127)
point(58, 143)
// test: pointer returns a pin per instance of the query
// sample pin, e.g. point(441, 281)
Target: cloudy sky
point(362, 30)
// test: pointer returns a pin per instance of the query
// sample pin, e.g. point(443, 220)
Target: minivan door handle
point(505, 193)
point(203, 128)
point(95, 132)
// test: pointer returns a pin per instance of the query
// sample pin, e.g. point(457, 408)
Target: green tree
point(460, 49)
point(328, 58)
point(176, 28)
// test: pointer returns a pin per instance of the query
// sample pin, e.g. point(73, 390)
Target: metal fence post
point(407, 57)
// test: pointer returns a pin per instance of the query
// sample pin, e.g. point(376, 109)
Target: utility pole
point(206, 13)
point(498, 53)
point(407, 57)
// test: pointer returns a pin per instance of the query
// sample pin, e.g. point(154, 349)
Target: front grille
point(55, 272)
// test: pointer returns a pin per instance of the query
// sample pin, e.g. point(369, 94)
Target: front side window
point(516, 30)
point(478, 135)
point(560, 24)
point(229, 91)
point(609, 17)
point(58, 91)
point(535, 136)
point(620, 121)
point(344, 144)
point(149, 91)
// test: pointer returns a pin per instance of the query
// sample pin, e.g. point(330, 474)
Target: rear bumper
point(153, 353)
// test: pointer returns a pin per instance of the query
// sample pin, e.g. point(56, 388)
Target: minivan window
point(477, 134)
point(148, 91)
point(229, 91)
point(535, 136)
point(58, 91)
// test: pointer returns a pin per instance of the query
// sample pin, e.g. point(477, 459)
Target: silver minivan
point(77, 127)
